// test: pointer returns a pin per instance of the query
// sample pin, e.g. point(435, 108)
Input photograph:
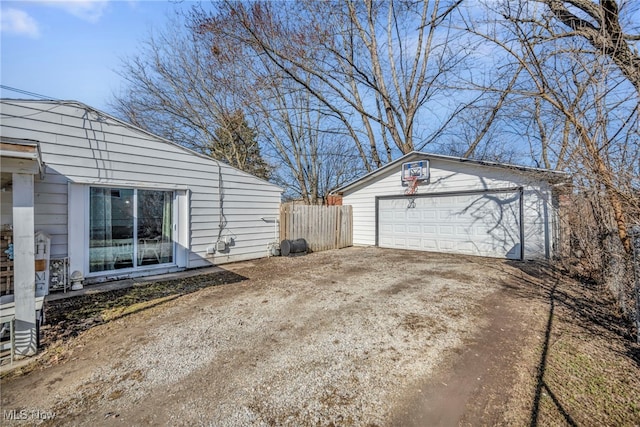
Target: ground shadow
point(591, 306)
point(541, 385)
point(583, 303)
point(69, 317)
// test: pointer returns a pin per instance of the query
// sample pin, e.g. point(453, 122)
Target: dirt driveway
point(359, 336)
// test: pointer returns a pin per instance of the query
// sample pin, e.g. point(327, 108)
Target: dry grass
point(583, 368)
point(69, 317)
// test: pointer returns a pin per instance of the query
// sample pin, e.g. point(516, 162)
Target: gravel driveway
point(332, 338)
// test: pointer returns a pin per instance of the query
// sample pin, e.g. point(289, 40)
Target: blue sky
point(71, 49)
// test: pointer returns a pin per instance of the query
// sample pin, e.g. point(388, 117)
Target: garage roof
point(545, 174)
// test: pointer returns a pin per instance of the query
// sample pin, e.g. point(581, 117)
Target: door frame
point(136, 267)
point(519, 190)
point(78, 228)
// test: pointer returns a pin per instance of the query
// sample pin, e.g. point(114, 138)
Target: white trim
point(182, 235)
point(35, 155)
point(19, 154)
point(78, 216)
point(78, 229)
point(541, 174)
point(124, 272)
point(128, 184)
point(19, 165)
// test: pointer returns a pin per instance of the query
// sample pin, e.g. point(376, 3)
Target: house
point(118, 201)
point(447, 204)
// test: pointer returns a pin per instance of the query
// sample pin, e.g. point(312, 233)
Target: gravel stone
point(330, 338)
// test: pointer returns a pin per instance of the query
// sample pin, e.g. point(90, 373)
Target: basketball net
point(412, 185)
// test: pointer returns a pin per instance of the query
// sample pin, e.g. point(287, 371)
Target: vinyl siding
point(447, 176)
point(80, 146)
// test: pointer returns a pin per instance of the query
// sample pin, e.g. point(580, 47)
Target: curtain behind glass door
point(155, 227)
point(111, 229)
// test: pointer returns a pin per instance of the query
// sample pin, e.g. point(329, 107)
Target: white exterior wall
point(452, 176)
point(81, 148)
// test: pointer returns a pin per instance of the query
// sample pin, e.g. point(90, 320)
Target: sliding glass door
point(111, 229)
point(129, 228)
point(155, 227)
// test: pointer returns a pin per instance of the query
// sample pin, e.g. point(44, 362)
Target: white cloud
point(88, 10)
point(19, 22)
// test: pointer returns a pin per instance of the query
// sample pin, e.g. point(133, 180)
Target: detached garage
point(453, 205)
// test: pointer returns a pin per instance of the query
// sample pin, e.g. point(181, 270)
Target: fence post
point(283, 222)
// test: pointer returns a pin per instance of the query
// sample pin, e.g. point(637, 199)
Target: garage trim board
point(397, 222)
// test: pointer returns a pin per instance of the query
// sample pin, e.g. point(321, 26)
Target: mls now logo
point(23, 414)
point(15, 415)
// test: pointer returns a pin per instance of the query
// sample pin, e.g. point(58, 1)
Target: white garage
point(458, 206)
point(485, 224)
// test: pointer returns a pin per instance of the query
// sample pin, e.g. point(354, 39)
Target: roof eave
point(136, 128)
point(550, 175)
point(26, 149)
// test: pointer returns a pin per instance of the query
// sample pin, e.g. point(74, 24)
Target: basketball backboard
point(418, 170)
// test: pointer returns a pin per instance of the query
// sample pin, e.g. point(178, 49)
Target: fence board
point(323, 227)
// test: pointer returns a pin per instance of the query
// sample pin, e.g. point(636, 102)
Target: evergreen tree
point(235, 143)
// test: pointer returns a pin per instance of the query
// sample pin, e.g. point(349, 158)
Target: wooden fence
point(323, 227)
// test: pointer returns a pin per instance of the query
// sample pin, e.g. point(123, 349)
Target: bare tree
point(601, 25)
point(579, 107)
point(177, 90)
point(301, 137)
point(379, 68)
point(596, 107)
point(219, 97)
point(370, 79)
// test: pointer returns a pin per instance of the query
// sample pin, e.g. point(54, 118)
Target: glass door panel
point(155, 227)
point(111, 229)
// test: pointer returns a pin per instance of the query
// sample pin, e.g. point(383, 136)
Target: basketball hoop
point(412, 188)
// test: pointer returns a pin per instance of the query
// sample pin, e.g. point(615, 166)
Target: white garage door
point(486, 224)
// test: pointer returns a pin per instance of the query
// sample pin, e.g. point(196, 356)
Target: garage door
point(484, 224)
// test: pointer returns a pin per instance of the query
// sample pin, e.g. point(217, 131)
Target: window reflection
point(116, 234)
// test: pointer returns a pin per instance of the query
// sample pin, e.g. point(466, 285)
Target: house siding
point(450, 176)
point(82, 146)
